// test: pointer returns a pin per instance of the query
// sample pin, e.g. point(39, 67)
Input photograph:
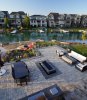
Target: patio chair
point(60, 53)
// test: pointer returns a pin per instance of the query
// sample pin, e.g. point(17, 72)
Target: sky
point(44, 7)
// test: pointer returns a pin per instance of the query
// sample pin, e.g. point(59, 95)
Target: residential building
point(78, 21)
point(84, 20)
point(61, 20)
point(16, 18)
point(3, 15)
point(75, 20)
point(67, 20)
point(38, 21)
point(53, 19)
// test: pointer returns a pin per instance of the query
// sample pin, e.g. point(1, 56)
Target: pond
point(27, 36)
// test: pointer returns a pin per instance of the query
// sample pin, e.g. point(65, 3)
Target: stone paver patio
point(70, 79)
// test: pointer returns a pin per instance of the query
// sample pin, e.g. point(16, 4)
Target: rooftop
point(19, 12)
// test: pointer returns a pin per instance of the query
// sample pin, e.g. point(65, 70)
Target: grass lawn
point(80, 48)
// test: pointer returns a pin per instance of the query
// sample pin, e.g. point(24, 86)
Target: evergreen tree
point(6, 20)
point(27, 21)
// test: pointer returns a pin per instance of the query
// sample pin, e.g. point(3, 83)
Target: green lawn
point(80, 48)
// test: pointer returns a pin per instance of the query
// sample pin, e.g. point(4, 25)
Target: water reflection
point(74, 37)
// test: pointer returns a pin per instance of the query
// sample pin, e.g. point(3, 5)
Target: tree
point(6, 20)
point(84, 36)
point(27, 21)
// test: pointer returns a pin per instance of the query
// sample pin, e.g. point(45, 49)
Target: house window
point(38, 21)
point(51, 22)
point(31, 21)
point(43, 21)
point(2, 20)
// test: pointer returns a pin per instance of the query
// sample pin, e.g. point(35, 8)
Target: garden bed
point(16, 55)
point(46, 44)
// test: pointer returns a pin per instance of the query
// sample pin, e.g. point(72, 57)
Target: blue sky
point(45, 6)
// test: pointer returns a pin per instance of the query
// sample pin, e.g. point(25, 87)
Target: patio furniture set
point(20, 71)
point(72, 57)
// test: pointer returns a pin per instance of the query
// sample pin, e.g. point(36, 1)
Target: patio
point(70, 79)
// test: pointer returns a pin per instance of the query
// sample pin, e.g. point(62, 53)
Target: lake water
point(72, 37)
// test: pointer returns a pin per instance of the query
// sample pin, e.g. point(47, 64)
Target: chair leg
point(26, 80)
point(21, 82)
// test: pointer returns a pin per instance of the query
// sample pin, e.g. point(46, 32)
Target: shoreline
point(12, 46)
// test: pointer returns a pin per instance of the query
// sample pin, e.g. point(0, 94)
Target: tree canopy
point(27, 21)
point(6, 20)
point(84, 36)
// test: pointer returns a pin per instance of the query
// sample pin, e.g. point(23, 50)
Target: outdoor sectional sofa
point(77, 56)
point(69, 59)
point(81, 67)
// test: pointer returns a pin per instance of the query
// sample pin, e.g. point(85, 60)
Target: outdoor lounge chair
point(81, 67)
point(60, 53)
point(69, 59)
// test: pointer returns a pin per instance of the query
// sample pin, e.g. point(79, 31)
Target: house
point(78, 21)
point(38, 21)
point(61, 20)
point(53, 19)
point(64, 20)
point(72, 20)
point(84, 20)
point(75, 20)
point(67, 20)
point(16, 18)
point(3, 15)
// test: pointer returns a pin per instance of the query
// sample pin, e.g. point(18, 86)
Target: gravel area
point(71, 81)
